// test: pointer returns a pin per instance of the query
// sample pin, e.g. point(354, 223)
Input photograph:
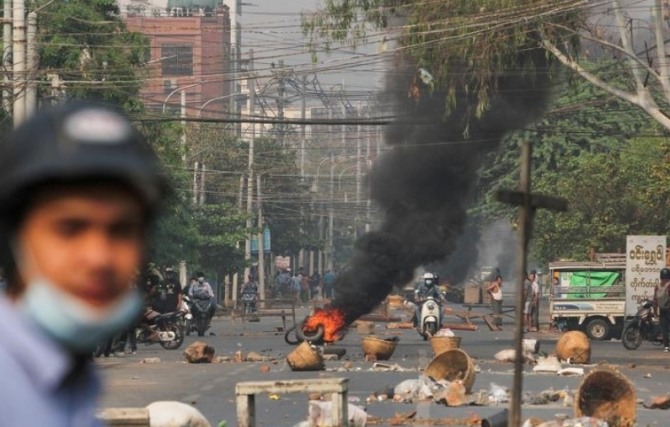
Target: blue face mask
point(71, 323)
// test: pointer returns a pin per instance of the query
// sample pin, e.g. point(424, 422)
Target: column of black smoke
point(422, 184)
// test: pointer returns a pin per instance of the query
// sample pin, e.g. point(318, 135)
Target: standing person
point(250, 291)
point(662, 305)
point(314, 285)
point(296, 286)
point(168, 293)
point(495, 289)
point(305, 287)
point(328, 282)
point(528, 301)
point(535, 305)
point(283, 283)
point(79, 191)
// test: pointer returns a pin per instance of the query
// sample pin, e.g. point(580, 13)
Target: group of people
point(531, 298)
point(301, 287)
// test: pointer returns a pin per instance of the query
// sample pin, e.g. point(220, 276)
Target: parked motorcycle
point(431, 318)
point(168, 328)
point(200, 308)
point(644, 326)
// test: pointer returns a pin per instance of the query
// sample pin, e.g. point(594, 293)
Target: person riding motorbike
point(203, 290)
point(428, 288)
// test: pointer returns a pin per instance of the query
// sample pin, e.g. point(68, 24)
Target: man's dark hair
point(498, 276)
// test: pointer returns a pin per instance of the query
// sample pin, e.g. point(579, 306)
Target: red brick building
point(190, 52)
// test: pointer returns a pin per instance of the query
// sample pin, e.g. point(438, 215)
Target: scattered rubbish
point(386, 367)
point(274, 397)
point(576, 422)
point(658, 402)
point(547, 364)
point(499, 419)
point(320, 415)
point(607, 395)
point(454, 364)
point(223, 359)
point(509, 355)
point(199, 352)
point(568, 372)
point(238, 357)
point(149, 360)
point(173, 413)
point(545, 397)
point(353, 399)
point(574, 347)
point(647, 375)
point(445, 332)
point(498, 394)
point(531, 346)
point(453, 395)
point(265, 369)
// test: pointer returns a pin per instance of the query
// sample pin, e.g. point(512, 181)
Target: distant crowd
point(301, 287)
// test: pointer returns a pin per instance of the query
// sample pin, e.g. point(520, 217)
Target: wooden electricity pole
point(528, 203)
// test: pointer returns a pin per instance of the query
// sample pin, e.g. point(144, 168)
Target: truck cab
point(589, 296)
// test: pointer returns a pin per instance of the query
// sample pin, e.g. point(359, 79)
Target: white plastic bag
point(445, 332)
point(320, 415)
point(498, 394)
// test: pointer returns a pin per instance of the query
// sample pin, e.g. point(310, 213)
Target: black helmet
point(665, 273)
point(77, 142)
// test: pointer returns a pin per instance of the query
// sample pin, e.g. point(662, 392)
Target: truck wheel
point(598, 329)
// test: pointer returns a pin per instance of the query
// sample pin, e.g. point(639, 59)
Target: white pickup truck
point(589, 296)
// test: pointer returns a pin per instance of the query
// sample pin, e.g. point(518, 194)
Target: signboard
point(282, 262)
point(645, 257)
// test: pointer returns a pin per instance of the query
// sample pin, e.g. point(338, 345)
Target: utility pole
point(202, 184)
point(280, 101)
point(7, 54)
point(234, 282)
point(182, 138)
point(19, 60)
point(196, 167)
point(261, 249)
point(303, 113)
point(32, 62)
point(528, 204)
point(250, 170)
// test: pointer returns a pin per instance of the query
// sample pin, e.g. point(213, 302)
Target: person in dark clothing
point(168, 293)
point(662, 305)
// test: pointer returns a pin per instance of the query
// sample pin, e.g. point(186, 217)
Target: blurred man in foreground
point(79, 189)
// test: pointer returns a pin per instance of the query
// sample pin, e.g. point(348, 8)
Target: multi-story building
point(190, 54)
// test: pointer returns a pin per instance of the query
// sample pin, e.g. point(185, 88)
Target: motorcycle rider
point(203, 290)
point(250, 289)
point(79, 191)
point(662, 305)
point(427, 288)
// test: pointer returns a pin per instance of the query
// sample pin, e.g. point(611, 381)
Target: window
point(177, 59)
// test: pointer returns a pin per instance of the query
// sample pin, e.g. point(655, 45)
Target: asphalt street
point(211, 387)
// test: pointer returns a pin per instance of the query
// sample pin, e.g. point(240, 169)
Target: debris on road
point(498, 394)
point(175, 414)
point(607, 395)
point(223, 359)
point(453, 395)
point(150, 360)
point(380, 367)
point(577, 422)
point(545, 397)
point(319, 414)
point(255, 357)
point(199, 352)
point(571, 372)
point(452, 365)
point(379, 348)
point(658, 402)
point(547, 364)
point(509, 355)
point(305, 357)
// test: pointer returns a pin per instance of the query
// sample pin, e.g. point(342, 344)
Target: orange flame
point(332, 320)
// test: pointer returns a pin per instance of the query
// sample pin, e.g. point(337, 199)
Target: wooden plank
point(460, 326)
point(489, 322)
point(322, 385)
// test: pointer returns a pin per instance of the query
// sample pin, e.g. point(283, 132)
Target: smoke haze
point(423, 183)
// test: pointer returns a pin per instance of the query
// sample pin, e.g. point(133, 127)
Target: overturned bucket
point(305, 357)
point(607, 395)
point(378, 348)
point(442, 344)
point(499, 419)
point(452, 365)
point(574, 346)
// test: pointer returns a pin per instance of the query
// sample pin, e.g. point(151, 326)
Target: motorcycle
point(200, 308)
point(431, 318)
point(249, 301)
point(186, 308)
point(168, 329)
point(644, 326)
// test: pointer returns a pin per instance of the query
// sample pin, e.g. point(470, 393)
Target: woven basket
point(305, 358)
point(442, 344)
point(454, 364)
point(607, 395)
point(574, 345)
point(378, 348)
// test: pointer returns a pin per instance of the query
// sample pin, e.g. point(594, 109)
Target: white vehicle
point(589, 296)
point(430, 320)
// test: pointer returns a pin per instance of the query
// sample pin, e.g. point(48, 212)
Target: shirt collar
point(45, 361)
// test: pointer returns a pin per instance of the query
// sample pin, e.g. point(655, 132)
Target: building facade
point(190, 54)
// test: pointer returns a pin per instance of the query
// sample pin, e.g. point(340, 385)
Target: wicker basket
point(305, 358)
point(454, 364)
point(378, 348)
point(574, 345)
point(607, 395)
point(442, 344)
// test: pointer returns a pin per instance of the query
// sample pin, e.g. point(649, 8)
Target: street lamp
point(175, 91)
point(216, 99)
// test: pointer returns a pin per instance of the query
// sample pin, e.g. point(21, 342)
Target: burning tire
point(316, 336)
point(289, 340)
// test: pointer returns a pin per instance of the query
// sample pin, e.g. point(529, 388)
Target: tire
point(431, 330)
point(631, 337)
point(187, 327)
point(178, 339)
point(201, 326)
point(289, 340)
point(598, 329)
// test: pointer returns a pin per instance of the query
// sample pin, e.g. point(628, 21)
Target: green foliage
point(86, 44)
point(467, 45)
